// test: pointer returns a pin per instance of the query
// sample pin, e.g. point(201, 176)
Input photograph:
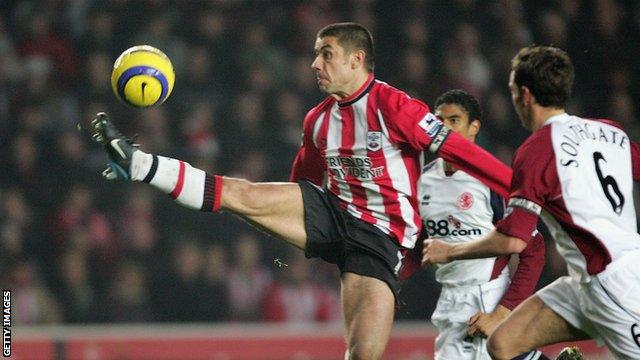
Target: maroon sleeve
point(411, 261)
point(477, 162)
point(527, 274)
point(635, 160)
point(534, 181)
point(309, 163)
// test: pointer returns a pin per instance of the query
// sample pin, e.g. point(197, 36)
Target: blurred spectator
point(77, 212)
point(215, 273)
point(296, 298)
point(99, 65)
point(252, 166)
point(415, 73)
point(100, 25)
point(473, 66)
point(128, 298)
point(77, 296)
point(40, 39)
point(185, 295)
point(18, 234)
point(198, 130)
point(244, 126)
point(32, 301)
point(137, 226)
point(247, 280)
point(22, 165)
point(553, 29)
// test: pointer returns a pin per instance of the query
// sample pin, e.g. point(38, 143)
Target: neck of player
point(350, 88)
point(541, 114)
point(449, 168)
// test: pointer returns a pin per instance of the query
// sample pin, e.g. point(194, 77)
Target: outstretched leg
point(276, 208)
point(273, 207)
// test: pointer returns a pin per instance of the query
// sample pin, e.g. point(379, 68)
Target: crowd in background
point(75, 248)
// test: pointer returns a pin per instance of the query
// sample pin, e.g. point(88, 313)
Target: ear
point(474, 127)
point(526, 96)
point(357, 59)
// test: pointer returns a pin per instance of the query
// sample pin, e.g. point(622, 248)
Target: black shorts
point(339, 238)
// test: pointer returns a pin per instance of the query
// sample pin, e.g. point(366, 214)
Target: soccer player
point(365, 138)
point(455, 207)
point(577, 174)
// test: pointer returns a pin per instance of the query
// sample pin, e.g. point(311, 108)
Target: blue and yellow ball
point(142, 76)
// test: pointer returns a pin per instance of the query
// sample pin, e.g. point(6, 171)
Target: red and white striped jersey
point(368, 146)
point(577, 175)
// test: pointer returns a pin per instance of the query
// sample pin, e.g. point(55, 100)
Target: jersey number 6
point(609, 184)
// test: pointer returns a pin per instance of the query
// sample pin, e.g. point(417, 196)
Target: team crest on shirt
point(465, 201)
point(374, 140)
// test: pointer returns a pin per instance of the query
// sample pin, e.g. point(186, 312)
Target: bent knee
point(364, 351)
point(499, 347)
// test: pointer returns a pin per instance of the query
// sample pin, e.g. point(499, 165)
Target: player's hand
point(483, 324)
point(435, 252)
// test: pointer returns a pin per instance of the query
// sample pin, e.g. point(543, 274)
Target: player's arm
point(309, 163)
point(473, 159)
point(527, 274)
point(410, 121)
point(635, 160)
point(494, 244)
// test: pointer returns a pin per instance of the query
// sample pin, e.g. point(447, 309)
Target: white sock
point(140, 165)
point(186, 184)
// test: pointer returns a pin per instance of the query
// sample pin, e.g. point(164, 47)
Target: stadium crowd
point(77, 249)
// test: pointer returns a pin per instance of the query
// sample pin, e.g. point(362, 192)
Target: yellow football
point(142, 76)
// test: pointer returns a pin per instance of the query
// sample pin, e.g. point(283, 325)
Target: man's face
point(455, 117)
point(518, 105)
point(332, 65)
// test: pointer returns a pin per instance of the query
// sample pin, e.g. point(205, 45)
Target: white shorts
point(607, 308)
point(455, 306)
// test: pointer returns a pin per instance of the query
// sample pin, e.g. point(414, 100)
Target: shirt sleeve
point(635, 160)
point(308, 163)
point(476, 162)
point(411, 260)
point(410, 122)
point(534, 181)
point(527, 274)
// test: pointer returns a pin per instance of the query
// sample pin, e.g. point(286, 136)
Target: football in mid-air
point(142, 76)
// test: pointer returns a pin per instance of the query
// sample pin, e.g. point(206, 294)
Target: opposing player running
point(365, 139)
point(577, 174)
point(476, 294)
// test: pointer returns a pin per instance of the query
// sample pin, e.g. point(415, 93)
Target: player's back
point(591, 212)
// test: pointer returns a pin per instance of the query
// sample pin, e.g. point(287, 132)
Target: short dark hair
point(547, 72)
point(462, 98)
point(352, 36)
